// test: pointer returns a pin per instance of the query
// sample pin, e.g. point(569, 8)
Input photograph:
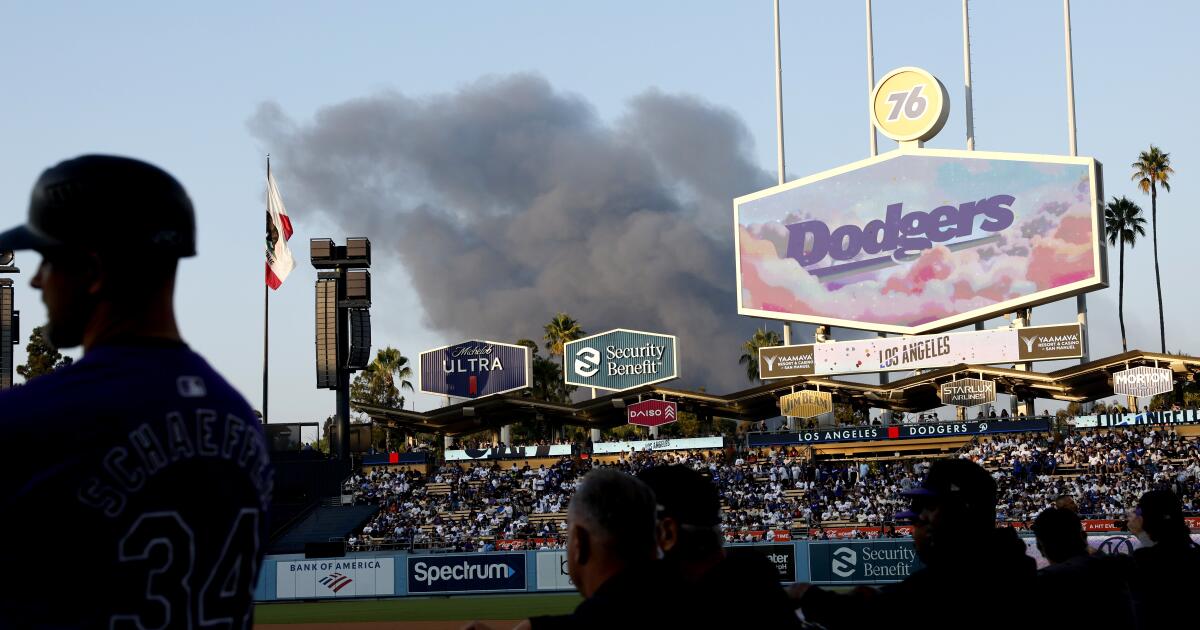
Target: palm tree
point(559, 331)
point(377, 383)
point(1124, 223)
point(1151, 170)
point(762, 338)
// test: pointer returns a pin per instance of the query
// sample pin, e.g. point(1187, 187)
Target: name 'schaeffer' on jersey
point(153, 447)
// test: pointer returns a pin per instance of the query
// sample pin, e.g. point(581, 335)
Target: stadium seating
point(768, 493)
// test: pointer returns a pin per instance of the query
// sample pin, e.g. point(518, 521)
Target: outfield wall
point(403, 574)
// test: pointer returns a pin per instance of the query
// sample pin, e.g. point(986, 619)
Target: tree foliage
point(382, 382)
point(762, 338)
point(42, 358)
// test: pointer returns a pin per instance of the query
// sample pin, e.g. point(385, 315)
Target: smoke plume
point(508, 201)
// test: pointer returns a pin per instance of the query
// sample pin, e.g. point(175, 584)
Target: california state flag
point(279, 230)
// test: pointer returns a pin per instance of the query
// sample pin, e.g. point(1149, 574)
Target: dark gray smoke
point(508, 201)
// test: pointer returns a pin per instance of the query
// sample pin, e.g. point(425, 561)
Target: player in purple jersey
point(134, 484)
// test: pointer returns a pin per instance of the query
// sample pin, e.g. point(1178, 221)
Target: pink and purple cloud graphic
point(917, 239)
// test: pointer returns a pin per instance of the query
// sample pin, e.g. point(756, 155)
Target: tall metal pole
point(787, 327)
point(967, 79)
point(266, 306)
point(1073, 147)
point(871, 88)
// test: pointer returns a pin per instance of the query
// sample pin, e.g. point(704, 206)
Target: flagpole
point(266, 306)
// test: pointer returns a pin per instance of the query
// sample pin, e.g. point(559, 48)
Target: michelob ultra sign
point(968, 392)
point(921, 240)
point(806, 404)
point(476, 368)
point(1143, 381)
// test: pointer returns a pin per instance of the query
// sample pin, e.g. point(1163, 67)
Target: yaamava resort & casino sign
point(473, 369)
point(921, 240)
point(620, 359)
point(652, 413)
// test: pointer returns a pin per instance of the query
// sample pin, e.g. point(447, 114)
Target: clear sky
point(177, 86)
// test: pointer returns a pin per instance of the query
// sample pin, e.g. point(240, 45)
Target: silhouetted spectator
point(1097, 583)
point(611, 555)
point(965, 556)
point(1166, 566)
point(689, 534)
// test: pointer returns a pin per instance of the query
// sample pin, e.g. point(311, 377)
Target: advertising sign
point(552, 572)
point(862, 562)
point(899, 432)
point(783, 557)
point(1182, 416)
point(620, 359)
point(786, 361)
point(466, 573)
point(678, 444)
point(1143, 381)
point(885, 354)
point(652, 413)
point(510, 452)
point(335, 577)
point(921, 241)
point(806, 404)
point(968, 392)
point(473, 369)
point(909, 104)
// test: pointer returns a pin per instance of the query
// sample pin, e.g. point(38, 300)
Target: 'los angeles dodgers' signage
point(473, 369)
point(920, 241)
point(620, 359)
point(899, 432)
point(875, 354)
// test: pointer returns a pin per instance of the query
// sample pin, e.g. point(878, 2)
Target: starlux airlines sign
point(620, 359)
point(875, 354)
point(921, 240)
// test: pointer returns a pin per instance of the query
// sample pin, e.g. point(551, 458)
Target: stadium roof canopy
point(1079, 383)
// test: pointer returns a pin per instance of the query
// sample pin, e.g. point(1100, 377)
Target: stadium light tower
point(10, 333)
point(343, 322)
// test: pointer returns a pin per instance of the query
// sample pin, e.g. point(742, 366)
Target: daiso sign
point(921, 240)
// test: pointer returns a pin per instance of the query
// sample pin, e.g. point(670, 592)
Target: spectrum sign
point(921, 240)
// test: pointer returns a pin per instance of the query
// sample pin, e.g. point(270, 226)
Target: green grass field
point(418, 609)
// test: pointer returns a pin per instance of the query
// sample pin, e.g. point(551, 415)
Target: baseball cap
point(109, 203)
point(954, 480)
point(684, 494)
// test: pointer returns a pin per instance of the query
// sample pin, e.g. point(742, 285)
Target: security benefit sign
point(466, 573)
point(620, 359)
point(867, 562)
point(921, 241)
point(552, 572)
point(336, 577)
point(473, 369)
point(806, 404)
point(652, 413)
point(1143, 381)
point(968, 392)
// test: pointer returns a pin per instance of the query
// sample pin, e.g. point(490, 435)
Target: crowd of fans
point(472, 505)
